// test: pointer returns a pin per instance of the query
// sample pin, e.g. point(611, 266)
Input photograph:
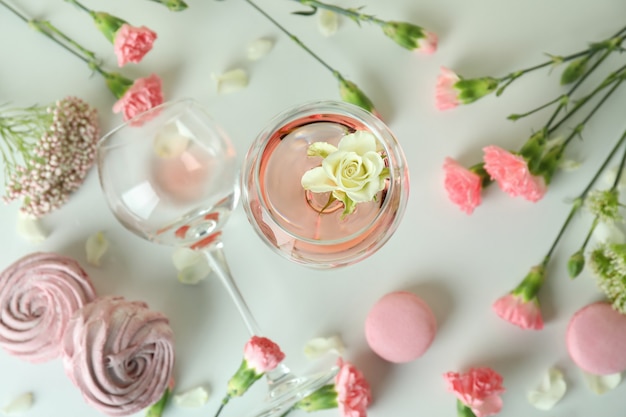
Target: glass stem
point(217, 262)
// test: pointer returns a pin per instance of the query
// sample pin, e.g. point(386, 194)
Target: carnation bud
point(409, 36)
point(575, 264)
point(173, 5)
point(107, 24)
point(531, 284)
point(322, 399)
point(350, 93)
point(473, 89)
point(574, 70)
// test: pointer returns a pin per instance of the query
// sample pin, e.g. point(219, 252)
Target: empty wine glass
point(311, 228)
point(170, 176)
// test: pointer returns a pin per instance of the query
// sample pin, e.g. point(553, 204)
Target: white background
point(458, 264)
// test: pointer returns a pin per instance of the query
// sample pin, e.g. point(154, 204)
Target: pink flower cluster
point(60, 160)
point(262, 354)
point(479, 389)
point(144, 94)
point(353, 391)
point(132, 43)
point(509, 170)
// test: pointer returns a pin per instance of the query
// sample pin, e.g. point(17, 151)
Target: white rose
point(354, 172)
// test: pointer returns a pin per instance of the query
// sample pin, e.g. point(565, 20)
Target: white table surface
point(458, 264)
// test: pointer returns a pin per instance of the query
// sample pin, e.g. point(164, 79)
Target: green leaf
point(307, 12)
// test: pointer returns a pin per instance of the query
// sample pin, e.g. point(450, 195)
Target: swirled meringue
point(119, 354)
point(38, 295)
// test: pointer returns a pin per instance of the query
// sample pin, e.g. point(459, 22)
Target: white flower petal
point(610, 176)
point(569, 165)
point(321, 345)
point(193, 398)
point(171, 141)
point(96, 246)
point(191, 265)
point(19, 404)
point(608, 233)
point(231, 81)
point(30, 228)
point(259, 48)
point(601, 384)
point(317, 181)
point(322, 149)
point(360, 142)
point(327, 22)
point(549, 392)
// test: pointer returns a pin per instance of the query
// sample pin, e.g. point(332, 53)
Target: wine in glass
point(311, 228)
point(170, 176)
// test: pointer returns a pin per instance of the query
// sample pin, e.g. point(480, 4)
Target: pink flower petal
point(446, 97)
point(525, 314)
point(463, 186)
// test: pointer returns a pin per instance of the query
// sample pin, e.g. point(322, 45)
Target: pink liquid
point(293, 221)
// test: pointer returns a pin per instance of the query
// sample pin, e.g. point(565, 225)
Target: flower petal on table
point(258, 48)
point(319, 346)
point(231, 81)
point(327, 22)
point(191, 265)
point(30, 228)
point(550, 390)
point(19, 404)
point(95, 247)
point(193, 398)
point(601, 384)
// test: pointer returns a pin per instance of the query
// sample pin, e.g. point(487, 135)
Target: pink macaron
point(400, 327)
point(596, 339)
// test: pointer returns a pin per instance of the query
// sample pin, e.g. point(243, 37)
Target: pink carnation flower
point(132, 43)
point(479, 389)
point(144, 94)
point(446, 96)
point(512, 174)
point(525, 314)
point(463, 186)
point(262, 354)
point(353, 391)
point(428, 44)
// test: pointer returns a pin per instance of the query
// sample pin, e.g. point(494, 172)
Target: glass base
point(289, 389)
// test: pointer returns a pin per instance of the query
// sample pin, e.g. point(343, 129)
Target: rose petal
point(30, 228)
point(550, 390)
point(321, 345)
point(601, 384)
point(193, 398)
point(327, 22)
point(231, 81)
point(259, 48)
point(172, 140)
point(191, 265)
point(96, 246)
point(19, 404)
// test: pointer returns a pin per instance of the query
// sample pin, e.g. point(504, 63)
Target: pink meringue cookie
point(38, 295)
point(119, 354)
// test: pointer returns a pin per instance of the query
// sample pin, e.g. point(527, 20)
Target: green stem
point(581, 198)
point(353, 14)
point(292, 37)
point(46, 28)
point(578, 129)
point(589, 51)
point(224, 402)
point(576, 85)
point(80, 5)
point(535, 110)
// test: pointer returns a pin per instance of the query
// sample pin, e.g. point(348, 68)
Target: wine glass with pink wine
point(170, 176)
point(314, 228)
